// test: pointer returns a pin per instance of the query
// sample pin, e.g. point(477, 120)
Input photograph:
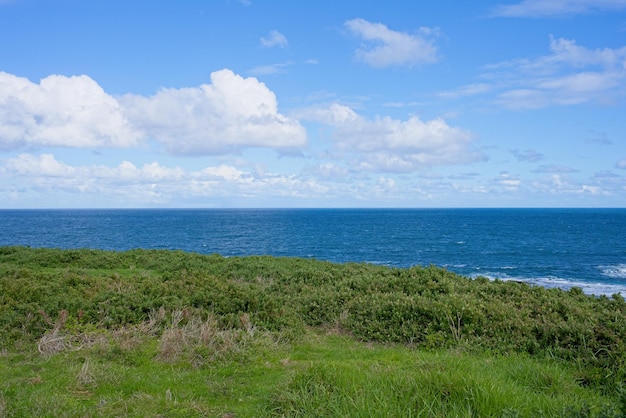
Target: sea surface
point(549, 247)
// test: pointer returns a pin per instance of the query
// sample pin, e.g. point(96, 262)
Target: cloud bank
point(129, 184)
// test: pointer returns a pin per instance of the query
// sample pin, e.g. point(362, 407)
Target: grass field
point(161, 333)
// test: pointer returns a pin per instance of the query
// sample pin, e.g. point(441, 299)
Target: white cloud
point(33, 179)
point(528, 155)
point(61, 111)
point(225, 116)
point(554, 168)
point(44, 165)
point(274, 38)
point(47, 166)
point(468, 90)
point(621, 164)
point(280, 68)
point(153, 182)
point(609, 182)
point(562, 184)
point(566, 54)
point(507, 181)
point(330, 170)
point(392, 145)
point(547, 8)
point(387, 48)
point(229, 114)
point(570, 75)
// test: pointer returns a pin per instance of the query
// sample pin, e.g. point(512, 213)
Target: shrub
point(424, 306)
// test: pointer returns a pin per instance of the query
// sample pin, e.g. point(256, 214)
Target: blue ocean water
point(549, 247)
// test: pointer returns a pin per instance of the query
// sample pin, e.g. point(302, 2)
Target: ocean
point(548, 247)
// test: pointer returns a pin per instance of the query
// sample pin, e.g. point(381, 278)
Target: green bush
point(422, 306)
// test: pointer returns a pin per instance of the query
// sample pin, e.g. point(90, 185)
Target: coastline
point(549, 247)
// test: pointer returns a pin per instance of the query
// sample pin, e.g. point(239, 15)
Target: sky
point(284, 104)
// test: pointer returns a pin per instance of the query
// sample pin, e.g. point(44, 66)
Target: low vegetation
point(166, 333)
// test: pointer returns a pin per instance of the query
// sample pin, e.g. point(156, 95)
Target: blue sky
point(276, 103)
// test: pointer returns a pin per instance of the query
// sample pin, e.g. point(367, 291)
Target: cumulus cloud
point(44, 165)
point(385, 47)
point(548, 8)
point(229, 114)
point(392, 145)
point(274, 38)
point(61, 111)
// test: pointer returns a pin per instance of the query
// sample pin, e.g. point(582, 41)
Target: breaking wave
point(615, 272)
point(590, 288)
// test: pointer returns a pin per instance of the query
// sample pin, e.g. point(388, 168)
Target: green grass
point(136, 372)
point(320, 375)
point(160, 333)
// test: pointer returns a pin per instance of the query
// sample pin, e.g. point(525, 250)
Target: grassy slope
point(145, 333)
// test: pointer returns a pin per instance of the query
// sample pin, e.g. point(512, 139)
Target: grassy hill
point(166, 333)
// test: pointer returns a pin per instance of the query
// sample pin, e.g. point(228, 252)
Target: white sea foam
point(616, 272)
point(454, 266)
point(379, 263)
point(590, 288)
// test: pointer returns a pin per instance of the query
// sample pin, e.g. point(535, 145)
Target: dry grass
point(51, 343)
point(3, 406)
point(86, 376)
point(181, 336)
point(205, 339)
point(54, 341)
point(339, 327)
point(59, 338)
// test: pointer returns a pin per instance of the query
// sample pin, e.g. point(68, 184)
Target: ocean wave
point(379, 263)
point(615, 272)
point(590, 288)
point(456, 266)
